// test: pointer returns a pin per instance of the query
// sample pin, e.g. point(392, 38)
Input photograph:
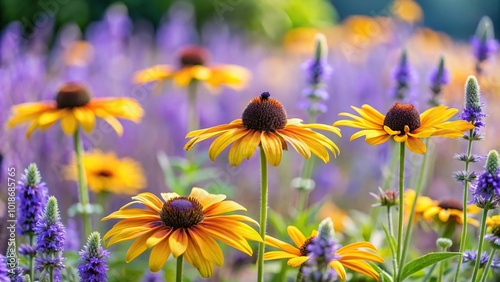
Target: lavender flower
point(4, 271)
point(438, 78)
point(317, 71)
point(153, 277)
point(321, 252)
point(488, 183)
point(93, 265)
point(483, 42)
point(473, 106)
point(31, 196)
point(50, 240)
point(470, 257)
point(14, 272)
point(403, 74)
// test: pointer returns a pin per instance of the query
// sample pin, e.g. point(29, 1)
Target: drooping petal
point(294, 262)
point(296, 235)
point(68, 122)
point(278, 255)
point(210, 249)
point(272, 147)
point(159, 255)
point(178, 242)
point(335, 264)
point(154, 73)
point(416, 145)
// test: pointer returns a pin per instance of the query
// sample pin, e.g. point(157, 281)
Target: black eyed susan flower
point(450, 209)
point(105, 172)
point(187, 226)
point(192, 66)
point(352, 256)
point(404, 124)
point(264, 122)
point(74, 106)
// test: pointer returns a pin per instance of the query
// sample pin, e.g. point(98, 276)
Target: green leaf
point(425, 261)
point(390, 239)
point(384, 276)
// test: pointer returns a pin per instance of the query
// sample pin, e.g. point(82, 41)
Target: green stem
point(488, 265)
point(102, 199)
point(391, 232)
point(463, 238)
point(51, 274)
point(481, 239)
point(32, 258)
point(307, 172)
point(193, 118)
point(418, 191)
point(300, 275)
point(263, 214)
point(401, 203)
point(82, 184)
point(441, 269)
point(178, 272)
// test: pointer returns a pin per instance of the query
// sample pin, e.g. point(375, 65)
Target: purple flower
point(31, 196)
point(152, 277)
point(403, 75)
point(4, 271)
point(93, 265)
point(473, 106)
point(483, 48)
point(470, 257)
point(488, 183)
point(439, 77)
point(27, 250)
point(50, 240)
point(321, 252)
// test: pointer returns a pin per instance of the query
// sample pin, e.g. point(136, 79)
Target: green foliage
point(425, 261)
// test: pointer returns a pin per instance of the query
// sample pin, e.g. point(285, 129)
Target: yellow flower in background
point(106, 172)
point(192, 60)
point(422, 205)
point(353, 256)
point(264, 122)
point(407, 10)
point(178, 225)
point(74, 106)
point(404, 124)
point(492, 221)
point(78, 53)
point(339, 217)
point(451, 210)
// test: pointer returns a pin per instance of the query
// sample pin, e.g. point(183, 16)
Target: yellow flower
point(73, 107)
point(451, 209)
point(339, 217)
point(407, 10)
point(351, 256)
point(422, 205)
point(187, 226)
point(264, 122)
point(403, 123)
point(106, 172)
point(78, 53)
point(192, 60)
point(493, 221)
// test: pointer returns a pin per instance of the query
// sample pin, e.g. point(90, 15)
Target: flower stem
point(487, 267)
point(441, 269)
point(307, 172)
point(82, 184)
point(418, 191)
point(263, 214)
point(481, 239)
point(401, 202)
point(463, 238)
point(193, 118)
point(32, 258)
point(178, 272)
point(300, 275)
point(391, 232)
point(51, 274)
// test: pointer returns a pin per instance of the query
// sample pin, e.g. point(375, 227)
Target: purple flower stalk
point(50, 241)
point(317, 71)
point(483, 42)
point(473, 106)
point(470, 257)
point(153, 277)
point(439, 77)
point(321, 252)
point(403, 75)
point(488, 183)
point(4, 271)
point(93, 265)
point(31, 196)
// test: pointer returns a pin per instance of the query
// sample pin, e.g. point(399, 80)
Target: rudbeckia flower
point(422, 205)
point(105, 172)
point(192, 60)
point(352, 256)
point(450, 209)
point(74, 106)
point(264, 122)
point(404, 124)
point(187, 226)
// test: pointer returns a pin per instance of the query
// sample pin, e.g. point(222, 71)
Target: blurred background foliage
point(265, 19)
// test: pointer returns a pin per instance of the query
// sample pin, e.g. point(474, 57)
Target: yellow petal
point(224, 140)
point(178, 242)
point(138, 247)
point(296, 235)
point(224, 207)
point(194, 255)
point(273, 242)
point(272, 146)
point(416, 145)
point(68, 122)
point(296, 142)
point(278, 255)
point(294, 262)
point(444, 215)
point(335, 264)
point(159, 255)
point(158, 72)
point(85, 117)
point(206, 199)
point(210, 249)
point(232, 239)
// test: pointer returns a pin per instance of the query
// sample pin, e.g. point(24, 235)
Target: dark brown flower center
point(264, 114)
point(303, 249)
point(182, 212)
point(193, 56)
point(72, 95)
point(400, 115)
point(104, 173)
point(451, 204)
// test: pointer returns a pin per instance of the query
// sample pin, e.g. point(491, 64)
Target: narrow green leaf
point(384, 276)
point(425, 261)
point(390, 239)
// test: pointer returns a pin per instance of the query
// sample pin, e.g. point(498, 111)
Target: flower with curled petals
point(353, 256)
point(404, 124)
point(187, 226)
